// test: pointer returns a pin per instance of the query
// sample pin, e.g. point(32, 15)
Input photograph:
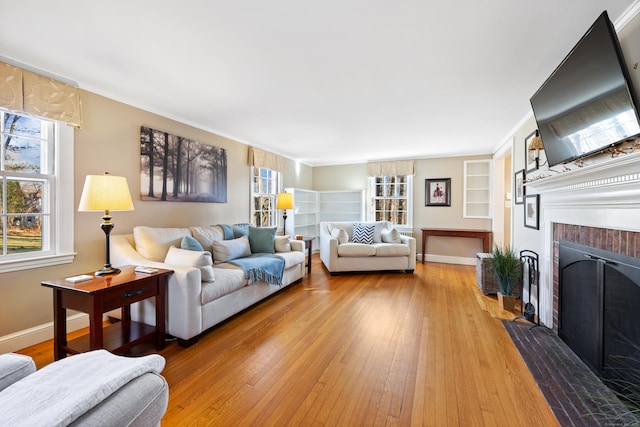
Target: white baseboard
point(28, 337)
point(447, 259)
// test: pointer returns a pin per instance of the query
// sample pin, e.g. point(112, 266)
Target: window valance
point(27, 92)
point(395, 168)
point(264, 159)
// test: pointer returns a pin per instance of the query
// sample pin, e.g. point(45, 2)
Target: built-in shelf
point(477, 189)
point(313, 207)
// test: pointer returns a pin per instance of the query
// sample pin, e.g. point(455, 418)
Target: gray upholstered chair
point(90, 389)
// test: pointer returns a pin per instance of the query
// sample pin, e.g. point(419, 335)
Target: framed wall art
point(178, 169)
point(530, 155)
point(437, 192)
point(532, 211)
point(519, 188)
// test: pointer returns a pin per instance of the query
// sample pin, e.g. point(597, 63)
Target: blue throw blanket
point(267, 267)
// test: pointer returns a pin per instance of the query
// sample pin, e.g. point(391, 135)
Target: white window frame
point(60, 235)
point(371, 202)
point(277, 188)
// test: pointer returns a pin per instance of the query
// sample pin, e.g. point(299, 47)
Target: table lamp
point(105, 193)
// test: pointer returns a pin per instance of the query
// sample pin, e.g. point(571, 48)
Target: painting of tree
point(178, 169)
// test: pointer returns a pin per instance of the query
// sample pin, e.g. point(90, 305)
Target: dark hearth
point(574, 393)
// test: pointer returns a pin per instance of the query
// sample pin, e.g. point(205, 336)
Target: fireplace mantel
point(621, 170)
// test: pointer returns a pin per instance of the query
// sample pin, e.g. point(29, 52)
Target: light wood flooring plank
point(377, 349)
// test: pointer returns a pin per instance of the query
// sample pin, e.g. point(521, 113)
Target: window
point(390, 199)
point(265, 186)
point(36, 218)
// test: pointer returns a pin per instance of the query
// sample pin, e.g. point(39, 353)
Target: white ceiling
point(322, 82)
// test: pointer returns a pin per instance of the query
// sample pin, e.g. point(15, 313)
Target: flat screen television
point(588, 103)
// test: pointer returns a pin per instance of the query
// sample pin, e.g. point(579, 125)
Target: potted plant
point(505, 264)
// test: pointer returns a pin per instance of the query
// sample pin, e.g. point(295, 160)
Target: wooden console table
point(447, 232)
point(104, 293)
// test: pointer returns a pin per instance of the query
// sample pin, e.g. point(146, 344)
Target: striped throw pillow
point(363, 233)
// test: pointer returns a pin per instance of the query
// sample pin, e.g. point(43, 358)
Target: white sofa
point(388, 251)
point(194, 305)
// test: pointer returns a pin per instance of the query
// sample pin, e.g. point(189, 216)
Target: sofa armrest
point(411, 241)
point(184, 317)
point(14, 367)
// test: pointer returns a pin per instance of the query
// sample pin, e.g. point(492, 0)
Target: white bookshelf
point(313, 207)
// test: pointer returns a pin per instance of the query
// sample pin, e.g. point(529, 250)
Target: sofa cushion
point(227, 281)
point(227, 250)
point(282, 244)
point(292, 258)
point(262, 239)
point(391, 249)
point(391, 235)
point(154, 243)
point(340, 234)
point(363, 233)
point(207, 235)
point(356, 249)
point(189, 258)
point(191, 244)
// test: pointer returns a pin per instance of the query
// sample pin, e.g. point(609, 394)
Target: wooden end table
point(308, 243)
point(100, 295)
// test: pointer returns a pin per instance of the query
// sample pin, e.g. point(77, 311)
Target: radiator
point(408, 233)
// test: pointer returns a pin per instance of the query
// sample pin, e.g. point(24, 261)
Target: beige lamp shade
point(105, 193)
point(536, 143)
point(285, 201)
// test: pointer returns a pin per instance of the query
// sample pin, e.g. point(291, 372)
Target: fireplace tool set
point(529, 264)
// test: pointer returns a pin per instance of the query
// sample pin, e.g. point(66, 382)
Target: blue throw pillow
point(363, 233)
point(191, 244)
point(240, 230)
point(262, 239)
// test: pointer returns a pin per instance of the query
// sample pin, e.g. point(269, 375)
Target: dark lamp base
point(106, 270)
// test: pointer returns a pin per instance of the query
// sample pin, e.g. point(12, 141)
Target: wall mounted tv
point(588, 103)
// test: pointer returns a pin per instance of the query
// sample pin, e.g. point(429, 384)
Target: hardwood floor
point(357, 349)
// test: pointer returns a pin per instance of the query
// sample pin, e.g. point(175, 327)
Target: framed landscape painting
point(437, 192)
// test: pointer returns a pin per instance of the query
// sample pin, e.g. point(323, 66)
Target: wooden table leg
point(95, 324)
point(161, 307)
point(59, 327)
point(424, 244)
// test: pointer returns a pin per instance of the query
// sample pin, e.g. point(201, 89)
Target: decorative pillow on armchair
point(391, 235)
point(340, 234)
point(188, 258)
point(363, 233)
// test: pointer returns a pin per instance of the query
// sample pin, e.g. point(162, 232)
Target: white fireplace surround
point(606, 195)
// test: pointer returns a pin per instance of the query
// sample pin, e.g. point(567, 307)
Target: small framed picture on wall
point(530, 155)
point(437, 192)
point(532, 211)
point(519, 188)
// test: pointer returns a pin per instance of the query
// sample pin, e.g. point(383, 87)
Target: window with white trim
point(265, 186)
point(36, 169)
point(390, 199)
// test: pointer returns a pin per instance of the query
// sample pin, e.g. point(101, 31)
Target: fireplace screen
point(599, 312)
